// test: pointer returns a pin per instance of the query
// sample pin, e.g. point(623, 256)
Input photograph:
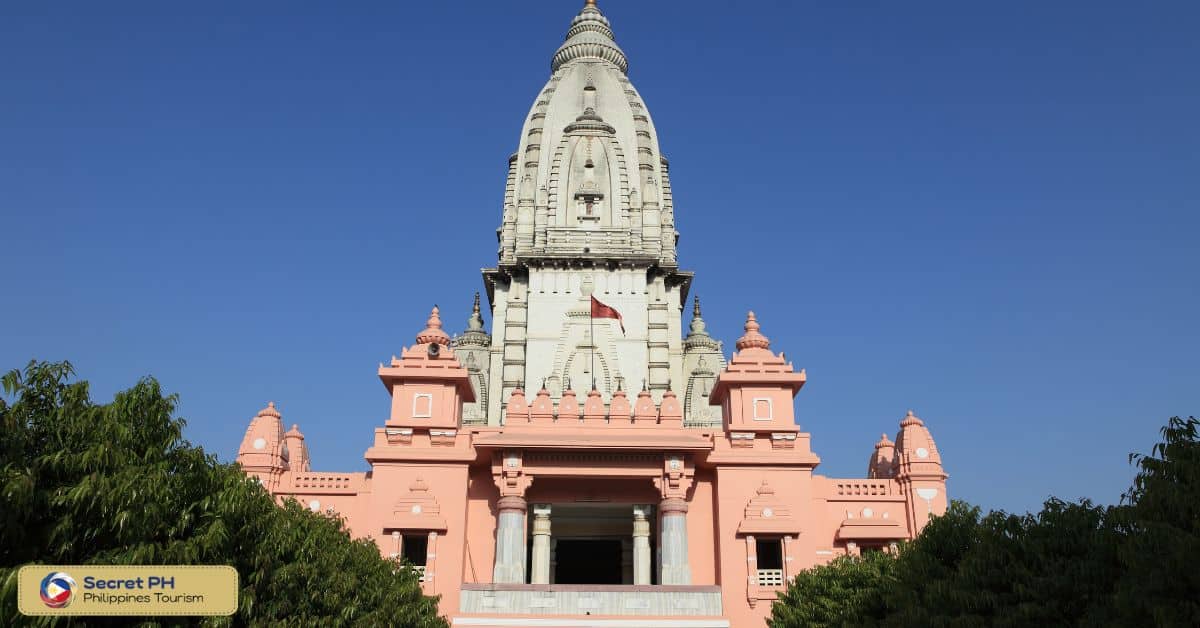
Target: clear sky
point(985, 212)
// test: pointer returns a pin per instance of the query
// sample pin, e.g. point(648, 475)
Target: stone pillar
point(658, 345)
point(539, 571)
point(641, 544)
point(674, 552)
point(510, 541)
point(513, 358)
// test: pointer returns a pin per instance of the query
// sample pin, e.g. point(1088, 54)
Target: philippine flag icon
point(58, 589)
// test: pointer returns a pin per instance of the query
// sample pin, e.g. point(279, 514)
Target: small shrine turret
point(919, 471)
point(427, 383)
point(756, 389)
point(264, 452)
point(298, 460)
point(883, 460)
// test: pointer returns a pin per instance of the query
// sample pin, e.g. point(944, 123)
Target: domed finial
point(752, 339)
point(911, 419)
point(270, 410)
point(433, 333)
point(883, 442)
point(590, 37)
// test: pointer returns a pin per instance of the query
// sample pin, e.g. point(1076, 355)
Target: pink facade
point(604, 510)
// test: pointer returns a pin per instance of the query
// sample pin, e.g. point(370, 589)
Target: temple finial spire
point(752, 339)
point(433, 333)
point(475, 323)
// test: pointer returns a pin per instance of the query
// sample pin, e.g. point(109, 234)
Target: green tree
point(844, 592)
point(1071, 564)
point(1161, 525)
point(116, 483)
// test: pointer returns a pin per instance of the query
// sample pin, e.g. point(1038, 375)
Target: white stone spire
point(587, 203)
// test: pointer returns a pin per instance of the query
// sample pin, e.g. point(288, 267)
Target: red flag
point(600, 310)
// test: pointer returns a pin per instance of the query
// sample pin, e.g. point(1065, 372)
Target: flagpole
point(592, 338)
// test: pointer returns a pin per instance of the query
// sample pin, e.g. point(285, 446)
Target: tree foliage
point(116, 483)
point(1071, 564)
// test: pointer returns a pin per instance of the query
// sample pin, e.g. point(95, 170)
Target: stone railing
point(770, 577)
point(308, 482)
point(592, 410)
point(583, 599)
point(864, 488)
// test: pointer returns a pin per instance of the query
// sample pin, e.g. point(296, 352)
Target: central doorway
point(588, 561)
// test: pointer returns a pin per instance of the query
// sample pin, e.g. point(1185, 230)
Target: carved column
point(540, 569)
point(673, 485)
point(510, 541)
point(508, 471)
point(675, 567)
point(641, 544)
point(430, 563)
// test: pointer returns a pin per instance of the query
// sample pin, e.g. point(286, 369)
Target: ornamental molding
point(766, 513)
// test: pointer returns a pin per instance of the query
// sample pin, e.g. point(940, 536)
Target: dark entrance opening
point(587, 561)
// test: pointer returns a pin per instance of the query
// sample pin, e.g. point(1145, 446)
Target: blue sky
point(987, 213)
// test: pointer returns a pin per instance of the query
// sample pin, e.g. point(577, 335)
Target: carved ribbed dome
point(590, 36)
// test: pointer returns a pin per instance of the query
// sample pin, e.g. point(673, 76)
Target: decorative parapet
point(544, 412)
point(324, 483)
point(865, 488)
point(767, 514)
point(417, 510)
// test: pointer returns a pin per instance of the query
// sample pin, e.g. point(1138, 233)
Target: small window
point(408, 545)
point(415, 549)
point(770, 553)
point(770, 562)
point(422, 406)
point(762, 409)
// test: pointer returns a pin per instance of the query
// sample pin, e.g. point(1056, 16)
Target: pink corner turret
point(919, 470)
point(264, 452)
point(297, 451)
point(883, 460)
point(427, 383)
point(757, 387)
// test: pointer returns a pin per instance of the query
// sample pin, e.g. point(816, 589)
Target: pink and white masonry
point(607, 512)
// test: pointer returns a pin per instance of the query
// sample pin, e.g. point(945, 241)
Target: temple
point(591, 462)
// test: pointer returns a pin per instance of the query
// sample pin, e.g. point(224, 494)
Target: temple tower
point(587, 212)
